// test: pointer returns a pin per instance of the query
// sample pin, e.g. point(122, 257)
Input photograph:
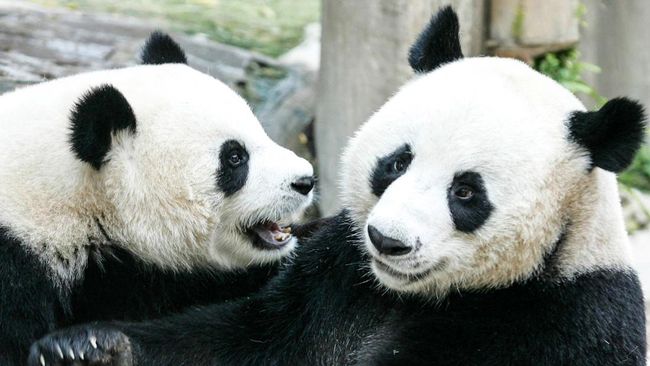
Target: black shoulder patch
point(160, 48)
point(97, 114)
point(438, 43)
point(612, 135)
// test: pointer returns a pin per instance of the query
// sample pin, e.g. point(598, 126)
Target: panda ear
point(162, 49)
point(97, 115)
point(612, 135)
point(438, 43)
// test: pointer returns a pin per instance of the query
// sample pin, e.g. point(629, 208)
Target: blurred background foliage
point(270, 27)
point(568, 69)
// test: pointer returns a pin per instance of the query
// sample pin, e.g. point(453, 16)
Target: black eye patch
point(389, 168)
point(468, 201)
point(233, 167)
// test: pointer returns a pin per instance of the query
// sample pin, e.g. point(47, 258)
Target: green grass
point(271, 27)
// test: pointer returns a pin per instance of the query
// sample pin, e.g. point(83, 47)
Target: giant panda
point(481, 226)
point(131, 193)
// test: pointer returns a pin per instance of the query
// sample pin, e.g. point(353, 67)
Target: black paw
point(82, 346)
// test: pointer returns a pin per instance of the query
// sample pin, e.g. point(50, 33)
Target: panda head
point(179, 170)
point(482, 172)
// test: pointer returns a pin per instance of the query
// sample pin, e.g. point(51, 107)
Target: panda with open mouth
point(481, 226)
point(133, 193)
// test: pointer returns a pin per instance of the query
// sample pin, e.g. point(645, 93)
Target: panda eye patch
point(389, 168)
point(233, 167)
point(468, 201)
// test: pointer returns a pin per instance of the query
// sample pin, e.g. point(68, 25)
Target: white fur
point(157, 194)
point(507, 122)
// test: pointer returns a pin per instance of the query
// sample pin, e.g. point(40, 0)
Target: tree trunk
point(615, 37)
point(364, 61)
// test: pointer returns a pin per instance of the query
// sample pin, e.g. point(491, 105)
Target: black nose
point(386, 245)
point(303, 185)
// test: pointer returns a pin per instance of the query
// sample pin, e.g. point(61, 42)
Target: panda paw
point(82, 346)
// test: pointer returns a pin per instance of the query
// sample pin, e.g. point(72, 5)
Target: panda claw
point(71, 354)
point(93, 342)
point(81, 356)
point(41, 359)
point(59, 351)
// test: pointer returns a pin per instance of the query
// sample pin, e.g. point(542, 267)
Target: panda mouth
point(407, 277)
point(269, 235)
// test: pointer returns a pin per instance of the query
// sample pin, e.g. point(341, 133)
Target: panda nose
point(303, 185)
point(386, 245)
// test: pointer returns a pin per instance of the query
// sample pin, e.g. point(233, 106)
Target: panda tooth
point(278, 237)
point(287, 230)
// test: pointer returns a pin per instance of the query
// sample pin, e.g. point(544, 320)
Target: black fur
point(385, 173)
point(324, 309)
point(162, 49)
point(231, 176)
point(438, 43)
point(115, 285)
point(97, 115)
point(469, 214)
point(611, 135)
point(29, 306)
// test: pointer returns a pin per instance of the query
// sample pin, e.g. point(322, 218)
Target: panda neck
point(594, 237)
point(55, 218)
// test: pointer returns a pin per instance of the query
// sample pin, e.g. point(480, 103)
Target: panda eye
point(235, 159)
point(464, 192)
point(401, 163)
point(399, 166)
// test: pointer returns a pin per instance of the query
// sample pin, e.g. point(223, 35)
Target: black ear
point(99, 113)
point(438, 43)
point(162, 49)
point(612, 135)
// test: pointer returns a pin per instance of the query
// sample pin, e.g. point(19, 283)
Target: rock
point(38, 44)
point(307, 54)
point(288, 113)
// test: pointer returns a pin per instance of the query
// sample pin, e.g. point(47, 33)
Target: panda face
point(161, 159)
point(461, 179)
point(198, 180)
point(180, 172)
point(482, 172)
